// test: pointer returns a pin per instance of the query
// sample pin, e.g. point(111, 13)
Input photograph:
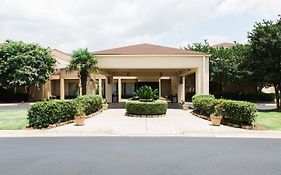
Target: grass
point(13, 119)
point(269, 120)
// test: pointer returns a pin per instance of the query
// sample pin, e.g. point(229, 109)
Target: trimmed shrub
point(204, 104)
point(90, 103)
point(238, 112)
point(157, 107)
point(45, 113)
point(42, 114)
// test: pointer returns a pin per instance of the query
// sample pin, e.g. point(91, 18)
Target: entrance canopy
point(152, 63)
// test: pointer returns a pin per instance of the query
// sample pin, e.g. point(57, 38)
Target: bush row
point(45, 113)
point(236, 112)
point(157, 107)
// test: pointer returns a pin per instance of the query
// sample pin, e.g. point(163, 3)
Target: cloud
point(73, 45)
point(266, 8)
point(101, 24)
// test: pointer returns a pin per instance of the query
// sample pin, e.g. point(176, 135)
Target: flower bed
point(146, 109)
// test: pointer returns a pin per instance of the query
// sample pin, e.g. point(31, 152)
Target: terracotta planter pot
point(80, 121)
point(104, 106)
point(185, 107)
point(216, 120)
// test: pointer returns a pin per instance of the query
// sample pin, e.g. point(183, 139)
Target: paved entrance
point(114, 121)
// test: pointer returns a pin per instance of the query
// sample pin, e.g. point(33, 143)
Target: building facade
point(176, 73)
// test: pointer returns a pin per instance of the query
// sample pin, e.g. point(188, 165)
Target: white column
point(100, 86)
point(91, 87)
point(205, 76)
point(62, 89)
point(108, 88)
point(198, 81)
point(160, 88)
point(119, 89)
point(181, 88)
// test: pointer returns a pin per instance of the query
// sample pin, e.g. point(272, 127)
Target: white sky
point(103, 24)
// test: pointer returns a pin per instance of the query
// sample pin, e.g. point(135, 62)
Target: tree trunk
point(277, 96)
point(84, 77)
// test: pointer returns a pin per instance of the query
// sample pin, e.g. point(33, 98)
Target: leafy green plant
point(42, 114)
point(238, 112)
point(79, 110)
point(85, 63)
point(90, 103)
point(45, 113)
point(204, 104)
point(146, 93)
point(24, 65)
point(182, 102)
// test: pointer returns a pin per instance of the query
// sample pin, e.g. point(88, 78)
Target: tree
point(226, 65)
point(265, 59)
point(85, 63)
point(24, 65)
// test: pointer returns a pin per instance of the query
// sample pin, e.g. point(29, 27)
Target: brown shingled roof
point(146, 49)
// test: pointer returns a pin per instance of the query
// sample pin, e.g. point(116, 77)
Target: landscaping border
point(248, 127)
point(65, 123)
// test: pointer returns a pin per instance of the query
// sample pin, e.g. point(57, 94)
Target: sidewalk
point(113, 122)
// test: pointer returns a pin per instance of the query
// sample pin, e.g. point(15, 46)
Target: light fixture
point(108, 80)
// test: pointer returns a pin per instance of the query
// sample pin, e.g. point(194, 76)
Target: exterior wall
point(55, 87)
point(149, 62)
point(157, 64)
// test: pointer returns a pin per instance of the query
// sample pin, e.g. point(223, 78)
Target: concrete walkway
point(113, 122)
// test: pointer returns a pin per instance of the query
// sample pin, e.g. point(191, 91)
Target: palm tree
point(85, 63)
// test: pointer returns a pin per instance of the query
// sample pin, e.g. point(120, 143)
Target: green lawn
point(13, 119)
point(269, 120)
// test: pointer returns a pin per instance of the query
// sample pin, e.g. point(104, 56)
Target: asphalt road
point(139, 156)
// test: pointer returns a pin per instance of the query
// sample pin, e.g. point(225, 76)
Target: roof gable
point(146, 49)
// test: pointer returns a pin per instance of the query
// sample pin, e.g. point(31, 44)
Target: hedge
point(90, 103)
point(204, 104)
point(157, 107)
point(45, 113)
point(236, 112)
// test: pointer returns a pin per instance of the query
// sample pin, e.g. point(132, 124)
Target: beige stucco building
point(174, 72)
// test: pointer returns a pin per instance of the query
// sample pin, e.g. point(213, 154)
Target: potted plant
point(79, 115)
point(184, 105)
point(216, 116)
point(104, 104)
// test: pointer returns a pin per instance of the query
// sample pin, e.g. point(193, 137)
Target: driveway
point(15, 106)
point(114, 122)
